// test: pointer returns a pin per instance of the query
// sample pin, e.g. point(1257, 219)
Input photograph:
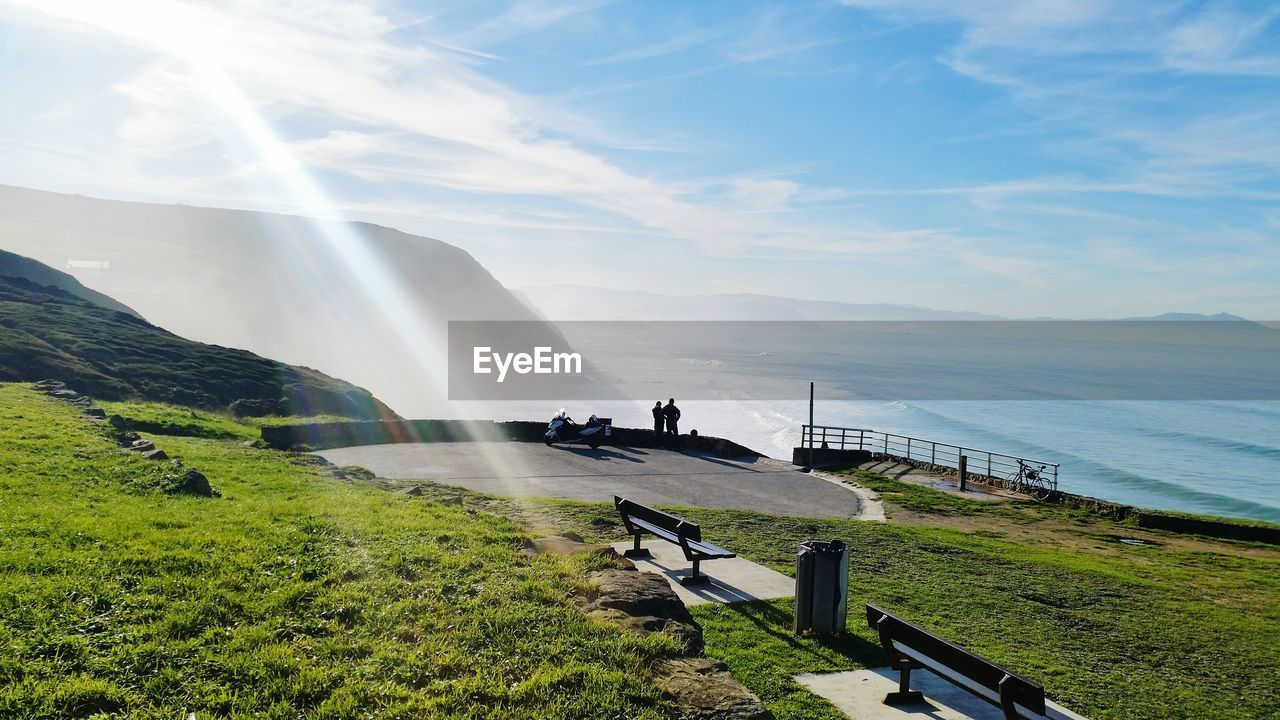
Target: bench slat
point(709, 550)
point(655, 530)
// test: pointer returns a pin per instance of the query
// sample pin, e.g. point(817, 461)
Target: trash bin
point(822, 586)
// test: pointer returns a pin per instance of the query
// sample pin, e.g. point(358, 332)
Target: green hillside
point(46, 332)
point(13, 265)
point(293, 595)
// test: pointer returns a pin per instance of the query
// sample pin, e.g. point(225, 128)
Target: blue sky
point(1092, 158)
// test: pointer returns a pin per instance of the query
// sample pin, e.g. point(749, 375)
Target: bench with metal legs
point(643, 520)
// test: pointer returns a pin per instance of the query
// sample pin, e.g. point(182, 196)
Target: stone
point(47, 385)
point(706, 690)
point(415, 491)
point(193, 482)
point(642, 602)
point(95, 412)
point(142, 446)
point(64, 394)
point(117, 422)
point(155, 455)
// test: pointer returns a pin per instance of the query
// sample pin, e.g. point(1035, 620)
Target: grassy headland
point(1182, 627)
point(293, 595)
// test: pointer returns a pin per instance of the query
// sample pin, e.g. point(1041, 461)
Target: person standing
point(672, 415)
point(657, 421)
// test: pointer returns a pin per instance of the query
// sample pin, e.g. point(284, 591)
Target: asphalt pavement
point(649, 476)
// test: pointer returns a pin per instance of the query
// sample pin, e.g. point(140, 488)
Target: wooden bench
point(641, 520)
point(911, 647)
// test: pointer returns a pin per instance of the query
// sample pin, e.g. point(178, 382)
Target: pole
point(810, 423)
point(964, 470)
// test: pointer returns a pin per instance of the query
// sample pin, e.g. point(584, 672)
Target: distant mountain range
point(65, 332)
point(574, 302)
point(281, 286)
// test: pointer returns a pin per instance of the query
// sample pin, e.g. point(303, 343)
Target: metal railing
point(925, 453)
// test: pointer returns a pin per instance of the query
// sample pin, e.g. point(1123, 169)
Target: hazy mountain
point(286, 287)
point(572, 302)
point(1192, 317)
point(48, 333)
point(17, 266)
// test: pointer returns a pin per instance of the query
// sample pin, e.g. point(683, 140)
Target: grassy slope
point(166, 419)
point(45, 333)
point(293, 595)
point(1111, 630)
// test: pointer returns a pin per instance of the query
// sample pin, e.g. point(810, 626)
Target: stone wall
point(321, 436)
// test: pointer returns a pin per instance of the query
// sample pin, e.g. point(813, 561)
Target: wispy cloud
point(670, 46)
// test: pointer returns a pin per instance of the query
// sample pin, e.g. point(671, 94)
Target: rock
point(645, 603)
point(193, 482)
point(451, 501)
point(117, 422)
point(142, 446)
point(155, 455)
point(415, 491)
point(706, 690)
point(642, 602)
point(95, 412)
point(47, 385)
point(64, 394)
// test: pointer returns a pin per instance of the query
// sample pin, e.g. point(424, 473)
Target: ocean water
point(1172, 416)
point(1214, 457)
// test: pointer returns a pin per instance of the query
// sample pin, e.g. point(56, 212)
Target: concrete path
point(859, 694)
point(732, 579)
point(649, 476)
point(946, 483)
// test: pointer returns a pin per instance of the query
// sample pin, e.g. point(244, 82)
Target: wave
point(1242, 446)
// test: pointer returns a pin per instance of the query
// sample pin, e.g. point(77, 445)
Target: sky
point(1068, 158)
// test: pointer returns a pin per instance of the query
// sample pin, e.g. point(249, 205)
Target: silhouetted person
point(657, 421)
point(672, 415)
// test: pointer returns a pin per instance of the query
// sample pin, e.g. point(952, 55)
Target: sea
point(1168, 416)
point(1210, 457)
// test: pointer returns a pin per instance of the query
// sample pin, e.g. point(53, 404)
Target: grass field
point(165, 419)
point(298, 595)
point(293, 595)
point(1186, 628)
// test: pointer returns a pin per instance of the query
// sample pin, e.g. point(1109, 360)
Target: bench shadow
point(716, 591)
point(779, 624)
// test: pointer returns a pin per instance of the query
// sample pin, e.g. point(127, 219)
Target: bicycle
point(1030, 481)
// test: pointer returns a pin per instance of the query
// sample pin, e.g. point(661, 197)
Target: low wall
point(322, 436)
point(828, 456)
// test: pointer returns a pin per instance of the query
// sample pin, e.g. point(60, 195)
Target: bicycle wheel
point(1040, 490)
point(1013, 481)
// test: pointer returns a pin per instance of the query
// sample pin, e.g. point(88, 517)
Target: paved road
point(647, 476)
